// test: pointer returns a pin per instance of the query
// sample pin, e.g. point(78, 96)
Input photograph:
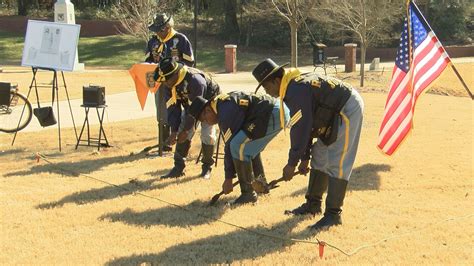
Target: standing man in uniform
point(323, 108)
point(166, 42)
point(183, 85)
point(250, 122)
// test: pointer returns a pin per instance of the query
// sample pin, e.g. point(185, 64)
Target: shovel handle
point(273, 183)
point(218, 195)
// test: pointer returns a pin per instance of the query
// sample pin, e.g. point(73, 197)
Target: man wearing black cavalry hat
point(183, 85)
point(329, 110)
point(166, 42)
point(249, 123)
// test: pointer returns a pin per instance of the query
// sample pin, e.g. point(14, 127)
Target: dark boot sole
point(171, 176)
point(290, 212)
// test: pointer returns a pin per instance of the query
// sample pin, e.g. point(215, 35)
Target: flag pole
point(452, 65)
point(462, 81)
point(410, 51)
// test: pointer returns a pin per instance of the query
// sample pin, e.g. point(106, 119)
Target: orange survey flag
point(142, 75)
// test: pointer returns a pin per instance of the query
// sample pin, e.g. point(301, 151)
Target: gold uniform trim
point(315, 83)
point(227, 135)
point(295, 118)
point(298, 79)
point(188, 58)
point(332, 83)
point(346, 143)
point(243, 102)
point(170, 102)
point(241, 150)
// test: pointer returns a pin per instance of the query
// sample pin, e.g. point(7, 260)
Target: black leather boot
point(245, 174)
point(207, 160)
point(182, 150)
point(334, 201)
point(166, 134)
point(165, 130)
point(260, 185)
point(318, 183)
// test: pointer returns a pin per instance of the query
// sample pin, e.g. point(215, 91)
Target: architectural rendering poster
point(50, 45)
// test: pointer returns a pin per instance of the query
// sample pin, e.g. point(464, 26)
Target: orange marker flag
point(321, 249)
point(142, 75)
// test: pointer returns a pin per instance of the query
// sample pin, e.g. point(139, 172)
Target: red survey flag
point(420, 60)
point(142, 75)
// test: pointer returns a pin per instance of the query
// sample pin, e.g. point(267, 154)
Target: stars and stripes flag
point(420, 60)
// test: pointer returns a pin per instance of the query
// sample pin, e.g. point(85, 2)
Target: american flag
point(420, 60)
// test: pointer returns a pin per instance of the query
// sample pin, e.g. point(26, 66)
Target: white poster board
point(50, 45)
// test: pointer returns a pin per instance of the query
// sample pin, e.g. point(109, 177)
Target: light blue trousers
point(245, 149)
point(338, 158)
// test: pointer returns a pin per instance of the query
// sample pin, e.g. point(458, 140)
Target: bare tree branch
point(295, 13)
point(136, 15)
point(367, 20)
point(279, 11)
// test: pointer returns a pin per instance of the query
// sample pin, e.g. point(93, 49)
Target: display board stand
point(55, 97)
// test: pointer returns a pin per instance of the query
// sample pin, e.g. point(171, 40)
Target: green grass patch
point(11, 48)
point(122, 51)
point(117, 51)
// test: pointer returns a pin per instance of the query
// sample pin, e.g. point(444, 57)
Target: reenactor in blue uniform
point(166, 42)
point(249, 123)
point(329, 110)
point(183, 85)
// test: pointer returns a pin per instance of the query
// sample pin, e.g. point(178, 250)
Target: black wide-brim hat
point(166, 68)
point(264, 70)
point(197, 106)
point(159, 22)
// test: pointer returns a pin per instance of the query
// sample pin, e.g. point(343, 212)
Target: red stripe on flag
point(397, 77)
point(392, 128)
point(400, 138)
point(396, 104)
point(431, 78)
point(420, 54)
point(398, 93)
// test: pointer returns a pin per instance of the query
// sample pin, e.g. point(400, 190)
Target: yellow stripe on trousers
point(241, 150)
point(346, 143)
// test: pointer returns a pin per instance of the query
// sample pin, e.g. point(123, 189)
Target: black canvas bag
point(45, 116)
point(5, 96)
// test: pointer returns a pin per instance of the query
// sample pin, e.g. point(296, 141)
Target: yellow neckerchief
point(214, 105)
point(181, 74)
point(220, 97)
point(289, 75)
point(170, 35)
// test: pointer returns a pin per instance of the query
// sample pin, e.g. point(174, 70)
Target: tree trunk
point(363, 43)
point(294, 44)
point(231, 26)
point(22, 7)
point(363, 49)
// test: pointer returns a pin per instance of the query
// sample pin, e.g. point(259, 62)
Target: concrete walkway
point(125, 106)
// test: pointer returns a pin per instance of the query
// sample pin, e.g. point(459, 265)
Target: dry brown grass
point(447, 84)
point(117, 81)
point(416, 207)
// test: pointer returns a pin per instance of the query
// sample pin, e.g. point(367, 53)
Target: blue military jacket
point(314, 102)
point(195, 83)
point(236, 111)
point(177, 47)
point(230, 118)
